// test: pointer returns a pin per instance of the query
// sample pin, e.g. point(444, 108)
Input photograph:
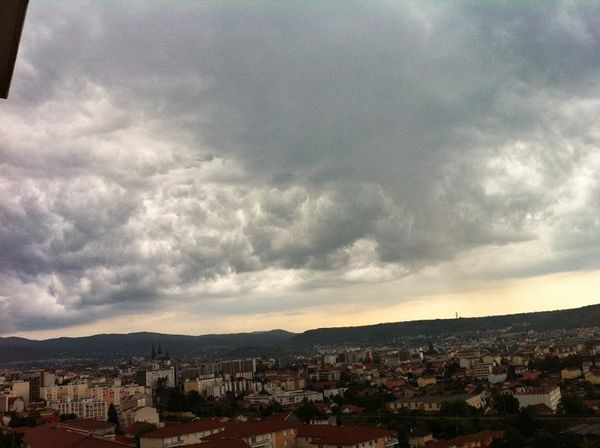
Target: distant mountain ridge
point(280, 342)
point(588, 316)
point(134, 344)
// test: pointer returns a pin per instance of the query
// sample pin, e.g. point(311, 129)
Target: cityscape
point(477, 384)
point(299, 224)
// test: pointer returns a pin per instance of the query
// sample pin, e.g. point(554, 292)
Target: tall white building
point(87, 408)
point(65, 392)
point(149, 378)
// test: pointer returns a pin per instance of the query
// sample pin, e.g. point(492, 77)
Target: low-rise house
point(593, 404)
point(433, 403)
point(570, 373)
point(419, 438)
point(531, 374)
point(593, 376)
point(392, 383)
point(405, 391)
point(11, 404)
point(139, 414)
point(286, 397)
point(137, 408)
point(426, 380)
point(350, 409)
point(330, 393)
point(497, 376)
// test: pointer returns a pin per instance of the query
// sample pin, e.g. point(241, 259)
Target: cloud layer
point(238, 158)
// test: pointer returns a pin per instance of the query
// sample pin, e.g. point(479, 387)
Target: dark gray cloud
point(156, 154)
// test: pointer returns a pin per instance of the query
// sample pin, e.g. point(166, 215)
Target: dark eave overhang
point(12, 17)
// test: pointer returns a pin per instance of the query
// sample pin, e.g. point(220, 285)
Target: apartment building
point(114, 394)
point(531, 396)
point(85, 408)
point(65, 392)
point(149, 378)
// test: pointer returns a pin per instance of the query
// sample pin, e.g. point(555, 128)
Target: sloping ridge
point(587, 316)
point(109, 345)
point(277, 342)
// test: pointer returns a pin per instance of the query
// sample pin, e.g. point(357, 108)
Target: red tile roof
point(135, 427)
point(534, 390)
point(234, 430)
point(225, 443)
point(53, 436)
point(342, 435)
point(180, 429)
point(484, 439)
point(541, 409)
point(281, 417)
point(88, 424)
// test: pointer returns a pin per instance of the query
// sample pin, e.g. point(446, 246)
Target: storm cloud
point(223, 154)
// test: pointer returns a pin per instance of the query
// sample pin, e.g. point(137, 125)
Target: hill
point(280, 342)
point(383, 333)
point(134, 344)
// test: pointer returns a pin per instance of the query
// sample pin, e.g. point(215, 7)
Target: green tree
point(512, 439)
point(22, 420)
point(271, 409)
point(544, 439)
point(506, 404)
point(573, 405)
point(308, 411)
point(11, 440)
point(457, 408)
point(113, 417)
point(176, 401)
point(161, 390)
point(524, 422)
point(194, 400)
point(403, 440)
point(145, 428)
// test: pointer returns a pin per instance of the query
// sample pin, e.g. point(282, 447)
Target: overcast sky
point(218, 166)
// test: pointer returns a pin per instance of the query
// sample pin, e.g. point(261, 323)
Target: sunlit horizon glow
point(544, 293)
